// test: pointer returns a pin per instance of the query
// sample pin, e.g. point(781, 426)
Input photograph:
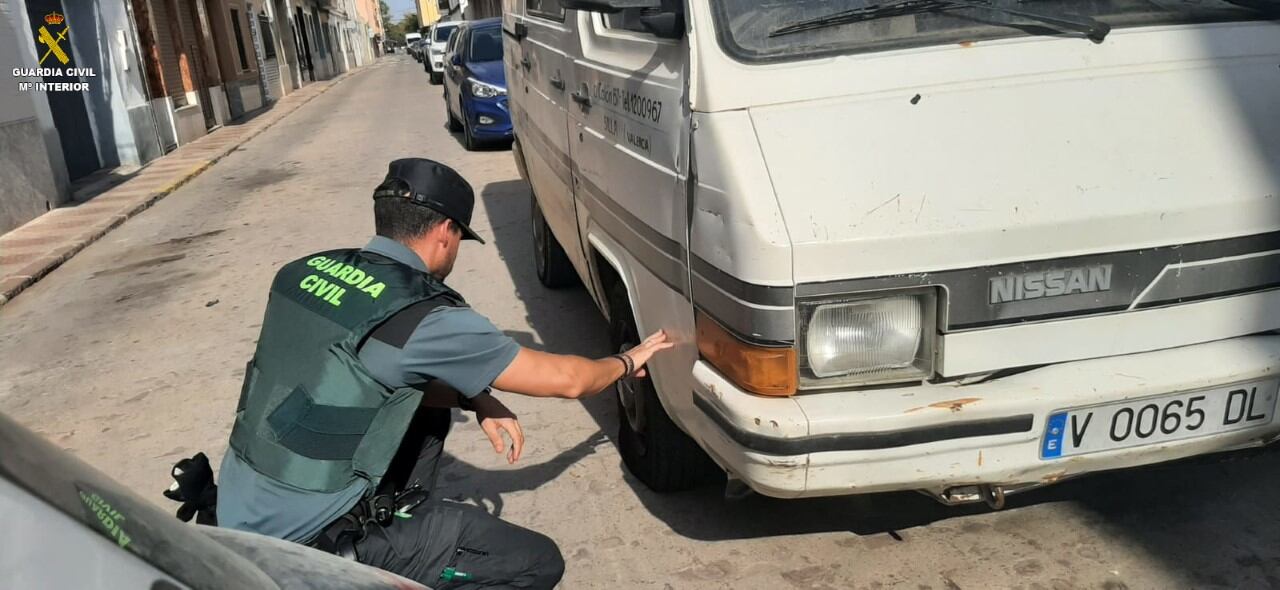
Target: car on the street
point(411, 44)
point(968, 249)
point(434, 45)
point(69, 526)
point(475, 86)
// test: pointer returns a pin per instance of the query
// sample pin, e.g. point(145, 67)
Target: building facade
point(428, 12)
point(111, 83)
point(474, 9)
point(82, 108)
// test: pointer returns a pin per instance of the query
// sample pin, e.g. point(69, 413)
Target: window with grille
point(268, 40)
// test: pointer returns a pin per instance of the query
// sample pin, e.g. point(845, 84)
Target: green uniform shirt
point(453, 344)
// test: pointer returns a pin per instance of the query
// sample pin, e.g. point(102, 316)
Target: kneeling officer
point(345, 405)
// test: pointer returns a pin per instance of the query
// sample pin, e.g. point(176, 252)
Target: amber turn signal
point(757, 369)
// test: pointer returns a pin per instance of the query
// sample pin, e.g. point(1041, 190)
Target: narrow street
point(131, 355)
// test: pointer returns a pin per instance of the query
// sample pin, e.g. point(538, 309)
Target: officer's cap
point(434, 185)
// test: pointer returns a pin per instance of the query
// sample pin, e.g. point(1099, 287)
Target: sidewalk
point(31, 251)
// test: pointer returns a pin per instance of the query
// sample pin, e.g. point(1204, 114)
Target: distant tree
point(385, 11)
point(410, 24)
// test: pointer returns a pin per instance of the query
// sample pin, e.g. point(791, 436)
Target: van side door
point(540, 98)
point(629, 148)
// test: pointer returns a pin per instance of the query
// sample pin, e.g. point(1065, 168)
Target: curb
point(42, 264)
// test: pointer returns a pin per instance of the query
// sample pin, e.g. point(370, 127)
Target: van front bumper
point(935, 437)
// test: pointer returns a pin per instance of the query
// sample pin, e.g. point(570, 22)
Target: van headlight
point(482, 90)
point(863, 340)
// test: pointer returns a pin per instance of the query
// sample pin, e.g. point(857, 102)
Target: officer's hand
point(494, 418)
point(645, 351)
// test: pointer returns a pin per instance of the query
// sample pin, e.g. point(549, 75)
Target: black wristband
point(628, 365)
point(464, 403)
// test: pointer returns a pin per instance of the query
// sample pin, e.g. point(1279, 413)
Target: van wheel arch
point(654, 449)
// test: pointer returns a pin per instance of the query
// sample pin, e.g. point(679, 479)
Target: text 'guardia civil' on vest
point(331, 291)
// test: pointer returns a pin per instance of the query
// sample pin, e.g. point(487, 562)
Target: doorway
point(200, 63)
point(305, 43)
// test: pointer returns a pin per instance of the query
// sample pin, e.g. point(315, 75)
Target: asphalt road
point(131, 356)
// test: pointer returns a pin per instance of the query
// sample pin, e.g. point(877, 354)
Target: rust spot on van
point(1053, 477)
point(966, 44)
point(955, 405)
point(979, 458)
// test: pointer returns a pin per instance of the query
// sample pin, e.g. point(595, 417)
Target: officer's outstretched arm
point(543, 374)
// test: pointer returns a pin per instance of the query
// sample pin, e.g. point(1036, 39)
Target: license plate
point(1159, 419)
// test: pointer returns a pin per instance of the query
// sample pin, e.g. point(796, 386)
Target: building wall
point(230, 21)
point(28, 182)
point(286, 51)
point(227, 42)
point(119, 111)
point(23, 54)
point(370, 27)
point(188, 36)
point(478, 9)
point(368, 14)
point(164, 28)
point(265, 54)
point(428, 12)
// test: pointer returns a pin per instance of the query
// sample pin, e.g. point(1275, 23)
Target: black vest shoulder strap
point(397, 330)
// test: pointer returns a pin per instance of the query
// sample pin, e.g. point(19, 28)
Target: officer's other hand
point(645, 351)
point(495, 418)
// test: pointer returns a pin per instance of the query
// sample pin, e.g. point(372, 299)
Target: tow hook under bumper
point(993, 495)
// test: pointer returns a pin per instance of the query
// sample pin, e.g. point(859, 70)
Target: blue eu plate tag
point(1053, 435)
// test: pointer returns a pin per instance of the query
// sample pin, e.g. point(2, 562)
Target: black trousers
point(448, 545)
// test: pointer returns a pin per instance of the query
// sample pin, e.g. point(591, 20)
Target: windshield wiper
point(1092, 29)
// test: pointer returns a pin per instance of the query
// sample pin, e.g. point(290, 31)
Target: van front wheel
point(653, 448)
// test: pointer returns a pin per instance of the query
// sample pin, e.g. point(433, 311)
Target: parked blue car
point(475, 86)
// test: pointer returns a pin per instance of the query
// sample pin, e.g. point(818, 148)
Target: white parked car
point(961, 248)
point(434, 49)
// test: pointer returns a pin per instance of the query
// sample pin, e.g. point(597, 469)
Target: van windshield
point(442, 34)
point(748, 29)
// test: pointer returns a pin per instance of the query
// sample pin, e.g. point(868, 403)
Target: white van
point(961, 247)
point(410, 40)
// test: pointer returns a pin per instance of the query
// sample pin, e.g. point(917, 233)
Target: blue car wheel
point(468, 138)
point(454, 124)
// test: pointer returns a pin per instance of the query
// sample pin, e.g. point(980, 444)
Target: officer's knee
point(548, 563)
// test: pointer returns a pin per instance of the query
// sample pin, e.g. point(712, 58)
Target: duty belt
point(341, 535)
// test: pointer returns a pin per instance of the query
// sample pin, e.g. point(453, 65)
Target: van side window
point(627, 19)
point(550, 9)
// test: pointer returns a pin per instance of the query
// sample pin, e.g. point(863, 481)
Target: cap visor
point(470, 234)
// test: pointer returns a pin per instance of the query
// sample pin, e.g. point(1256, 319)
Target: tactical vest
point(310, 415)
